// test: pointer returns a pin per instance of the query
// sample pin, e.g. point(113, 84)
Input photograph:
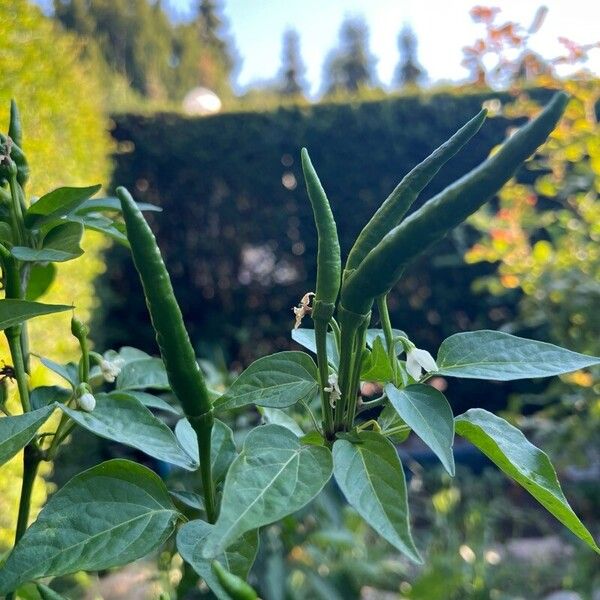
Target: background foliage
point(66, 141)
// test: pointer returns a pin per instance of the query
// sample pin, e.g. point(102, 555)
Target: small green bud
point(78, 328)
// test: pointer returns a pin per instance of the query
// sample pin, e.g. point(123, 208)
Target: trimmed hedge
point(237, 230)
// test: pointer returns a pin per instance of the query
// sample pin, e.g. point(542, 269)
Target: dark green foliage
point(219, 181)
point(139, 46)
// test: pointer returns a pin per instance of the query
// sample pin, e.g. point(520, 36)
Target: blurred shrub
point(66, 140)
point(543, 238)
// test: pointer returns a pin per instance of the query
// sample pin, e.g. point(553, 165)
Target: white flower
point(334, 390)
point(111, 369)
point(418, 360)
point(86, 402)
point(303, 308)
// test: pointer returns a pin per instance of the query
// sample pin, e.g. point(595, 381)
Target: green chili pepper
point(15, 131)
point(329, 265)
point(235, 586)
point(329, 271)
point(396, 205)
point(179, 357)
point(384, 265)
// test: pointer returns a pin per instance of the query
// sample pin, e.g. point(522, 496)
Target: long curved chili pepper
point(383, 266)
point(179, 357)
point(396, 205)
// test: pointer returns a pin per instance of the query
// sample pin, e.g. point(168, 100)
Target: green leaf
point(274, 476)
point(427, 412)
point(45, 395)
point(152, 401)
point(389, 420)
point(510, 450)
point(222, 447)
point(14, 312)
point(122, 418)
point(276, 381)
point(144, 373)
point(306, 338)
point(377, 365)
point(60, 244)
point(47, 593)
point(276, 416)
point(101, 224)
point(237, 559)
point(68, 372)
point(503, 357)
point(6, 232)
point(41, 277)
point(370, 475)
point(112, 205)
point(107, 516)
point(58, 203)
point(16, 432)
point(372, 334)
point(189, 499)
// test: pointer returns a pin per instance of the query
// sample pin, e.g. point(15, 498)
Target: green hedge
point(222, 184)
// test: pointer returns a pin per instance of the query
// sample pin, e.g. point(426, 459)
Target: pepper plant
point(119, 511)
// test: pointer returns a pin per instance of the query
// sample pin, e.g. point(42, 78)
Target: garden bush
point(63, 114)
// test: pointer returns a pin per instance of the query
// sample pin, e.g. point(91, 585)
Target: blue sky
point(442, 27)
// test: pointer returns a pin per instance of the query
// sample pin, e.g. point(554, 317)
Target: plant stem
point(13, 335)
point(372, 403)
point(348, 334)
point(31, 462)
point(388, 333)
point(321, 341)
point(355, 379)
point(202, 425)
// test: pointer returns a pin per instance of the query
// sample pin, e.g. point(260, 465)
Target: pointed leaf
point(144, 373)
point(152, 401)
point(112, 205)
point(377, 367)
point(306, 338)
point(510, 450)
point(237, 559)
point(389, 420)
point(60, 244)
point(277, 381)
point(378, 333)
point(13, 312)
point(68, 372)
point(16, 432)
point(503, 357)
point(279, 417)
point(427, 412)
point(41, 278)
point(100, 224)
point(189, 499)
point(222, 447)
point(109, 515)
point(47, 593)
point(58, 203)
point(122, 418)
point(44, 395)
point(370, 475)
point(274, 476)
